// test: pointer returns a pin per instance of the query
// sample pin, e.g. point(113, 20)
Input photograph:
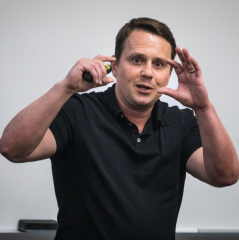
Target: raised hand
point(191, 91)
point(95, 67)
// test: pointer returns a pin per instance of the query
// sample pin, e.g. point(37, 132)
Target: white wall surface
point(41, 40)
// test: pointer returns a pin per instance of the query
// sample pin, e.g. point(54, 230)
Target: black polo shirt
point(112, 182)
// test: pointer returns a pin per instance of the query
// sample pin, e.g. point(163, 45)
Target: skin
point(216, 163)
point(143, 64)
point(27, 137)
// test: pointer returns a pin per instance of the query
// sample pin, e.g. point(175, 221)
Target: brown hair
point(144, 24)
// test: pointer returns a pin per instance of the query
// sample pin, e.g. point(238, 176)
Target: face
point(142, 70)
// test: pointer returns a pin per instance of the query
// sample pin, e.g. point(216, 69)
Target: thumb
point(168, 91)
point(108, 80)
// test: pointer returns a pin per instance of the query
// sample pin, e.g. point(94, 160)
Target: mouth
point(144, 87)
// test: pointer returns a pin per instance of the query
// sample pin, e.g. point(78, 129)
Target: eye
point(159, 64)
point(136, 60)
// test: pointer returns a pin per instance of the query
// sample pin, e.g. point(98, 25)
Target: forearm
point(220, 157)
point(26, 130)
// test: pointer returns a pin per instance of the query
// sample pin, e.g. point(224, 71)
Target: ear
point(114, 68)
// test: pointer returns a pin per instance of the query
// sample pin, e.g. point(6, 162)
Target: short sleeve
point(192, 140)
point(61, 127)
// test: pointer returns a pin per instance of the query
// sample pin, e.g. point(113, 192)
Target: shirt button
point(138, 140)
point(130, 124)
point(121, 115)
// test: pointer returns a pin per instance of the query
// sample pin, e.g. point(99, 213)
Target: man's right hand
point(28, 137)
point(74, 81)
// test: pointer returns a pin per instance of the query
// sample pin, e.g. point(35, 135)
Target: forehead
point(148, 44)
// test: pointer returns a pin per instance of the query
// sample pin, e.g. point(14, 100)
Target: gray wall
point(41, 40)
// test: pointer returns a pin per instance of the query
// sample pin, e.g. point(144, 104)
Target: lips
point(144, 87)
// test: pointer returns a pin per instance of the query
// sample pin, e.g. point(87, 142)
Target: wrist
point(202, 110)
point(68, 91)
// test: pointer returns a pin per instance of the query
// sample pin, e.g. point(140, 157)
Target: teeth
point(143, 87)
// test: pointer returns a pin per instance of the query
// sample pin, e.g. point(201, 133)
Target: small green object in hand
point(87, 77)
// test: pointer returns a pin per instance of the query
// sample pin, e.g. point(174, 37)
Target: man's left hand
point(191, 91)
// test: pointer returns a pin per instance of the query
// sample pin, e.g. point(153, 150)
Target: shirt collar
point(159, 114)
point(111, 102)
point(113, 106)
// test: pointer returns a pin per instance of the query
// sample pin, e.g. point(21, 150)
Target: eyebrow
point(135, 54)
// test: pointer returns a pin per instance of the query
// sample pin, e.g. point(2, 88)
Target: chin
point(144, 104)
point(146, 101)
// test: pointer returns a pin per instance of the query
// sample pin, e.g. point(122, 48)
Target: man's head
point(143, 24)
point(142, 47)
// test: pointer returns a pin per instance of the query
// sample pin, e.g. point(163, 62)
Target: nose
point(147, 71)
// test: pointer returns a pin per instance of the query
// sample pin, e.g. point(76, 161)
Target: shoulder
point(175, 110)
point(174, 114)
point(84, 99)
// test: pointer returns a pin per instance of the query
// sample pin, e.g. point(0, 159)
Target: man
point(119, 157)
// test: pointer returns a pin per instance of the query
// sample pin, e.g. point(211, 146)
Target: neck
point(137, 116)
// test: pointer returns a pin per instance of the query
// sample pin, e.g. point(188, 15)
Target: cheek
point(162, 79)
point(128, 75)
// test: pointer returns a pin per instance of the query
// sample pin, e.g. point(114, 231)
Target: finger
point(105, 58)
point(177, 67)
point(187, 57)
point(100, 68)
point(104, 72)
point(197, 68)
point(90, 67)
point(181, 57)
point(168, 91)
point(108, 80)
point(99, 72)
point(180, 54)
